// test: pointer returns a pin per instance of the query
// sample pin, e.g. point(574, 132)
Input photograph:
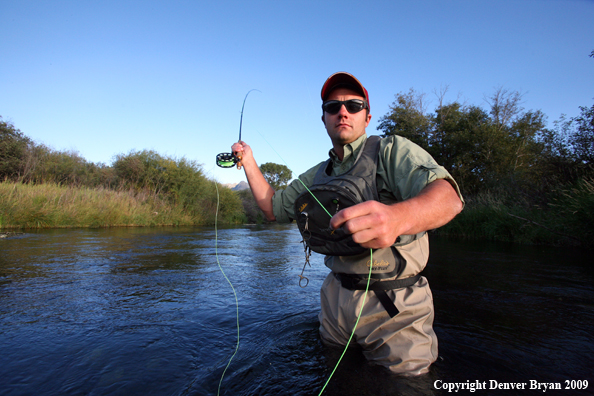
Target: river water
point(147, 311)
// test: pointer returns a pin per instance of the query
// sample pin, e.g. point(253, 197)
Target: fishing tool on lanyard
point(229, 160)
point(307, 250)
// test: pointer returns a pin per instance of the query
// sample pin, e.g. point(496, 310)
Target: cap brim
point(342, 79)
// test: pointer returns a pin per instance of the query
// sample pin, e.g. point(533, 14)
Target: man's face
point(344, 127)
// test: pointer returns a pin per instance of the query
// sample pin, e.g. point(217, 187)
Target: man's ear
point(323, 120)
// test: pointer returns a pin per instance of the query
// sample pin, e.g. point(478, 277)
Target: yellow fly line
point(368, 278)
point(235, 294)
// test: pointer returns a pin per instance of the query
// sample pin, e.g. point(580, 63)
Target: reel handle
point(239, 164)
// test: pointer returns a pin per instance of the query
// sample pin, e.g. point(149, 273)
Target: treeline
point(154, 180)
point(522, 181)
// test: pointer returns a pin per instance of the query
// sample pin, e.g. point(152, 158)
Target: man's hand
point(375, 225)
point(243, 150)
point(372, 224)
point(261, 190)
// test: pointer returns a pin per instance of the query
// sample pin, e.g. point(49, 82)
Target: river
point(147, 311)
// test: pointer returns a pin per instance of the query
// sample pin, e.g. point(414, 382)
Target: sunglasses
point(353, 106)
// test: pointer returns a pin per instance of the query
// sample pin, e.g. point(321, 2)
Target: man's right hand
point(242, 151)
point(238, 150)
point(261, 190)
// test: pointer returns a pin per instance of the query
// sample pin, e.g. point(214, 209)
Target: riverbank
point(26, 206)
point(568, 221)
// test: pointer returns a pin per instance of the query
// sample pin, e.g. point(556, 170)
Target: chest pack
point(334, 193)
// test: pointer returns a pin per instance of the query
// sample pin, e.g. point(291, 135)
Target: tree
point(181, 180)
point(582, 138)
point(407, 118)
point(13, 146)
point(505, 106)
point(278, 176)
point(481, 149)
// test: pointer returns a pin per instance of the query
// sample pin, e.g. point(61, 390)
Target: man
point(413, 194)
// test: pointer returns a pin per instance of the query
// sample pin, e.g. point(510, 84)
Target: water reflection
point(147, 311)
point(522, 312)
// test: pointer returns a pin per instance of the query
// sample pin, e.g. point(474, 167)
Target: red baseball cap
point(343, 80)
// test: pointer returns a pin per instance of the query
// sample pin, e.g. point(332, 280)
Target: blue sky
point(107, 77)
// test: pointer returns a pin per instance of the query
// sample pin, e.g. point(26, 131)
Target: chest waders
point(349, 261)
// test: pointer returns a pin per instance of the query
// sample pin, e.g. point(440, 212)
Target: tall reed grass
point(52, 205)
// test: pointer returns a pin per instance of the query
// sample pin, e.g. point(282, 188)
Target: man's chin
point(344, 138)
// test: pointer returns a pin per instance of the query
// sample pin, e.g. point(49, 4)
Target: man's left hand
point(372, 224)
point(375, 225)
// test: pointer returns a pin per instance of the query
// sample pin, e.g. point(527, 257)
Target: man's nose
point(343, 111)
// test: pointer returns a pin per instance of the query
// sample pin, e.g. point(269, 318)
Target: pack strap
point(354, 282)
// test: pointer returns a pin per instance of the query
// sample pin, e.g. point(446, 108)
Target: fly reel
point(226, 160)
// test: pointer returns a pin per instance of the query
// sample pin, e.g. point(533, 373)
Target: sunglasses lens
point(332, 107)
point(353, 106)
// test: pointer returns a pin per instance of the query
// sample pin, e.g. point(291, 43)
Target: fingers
point(238, 147)
point(369, 223)
point(242, 151)
point(352, 219)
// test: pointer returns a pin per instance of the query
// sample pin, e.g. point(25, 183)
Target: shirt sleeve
point(405, 168)
point(283, 200)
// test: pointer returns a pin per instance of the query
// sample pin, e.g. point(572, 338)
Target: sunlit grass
point(51, 205)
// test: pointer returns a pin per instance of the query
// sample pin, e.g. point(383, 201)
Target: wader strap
point(387, 302)
point(353, 282)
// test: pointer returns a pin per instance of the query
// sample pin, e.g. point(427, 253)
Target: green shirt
point(403, 170)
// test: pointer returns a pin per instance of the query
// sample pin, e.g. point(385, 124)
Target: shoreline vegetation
point(488, 216)
point(50, 205)
point(28, 206)
point(522, 181)
point(566, 220)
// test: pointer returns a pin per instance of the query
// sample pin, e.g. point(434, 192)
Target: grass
point(54, 206)
point(568, 219)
